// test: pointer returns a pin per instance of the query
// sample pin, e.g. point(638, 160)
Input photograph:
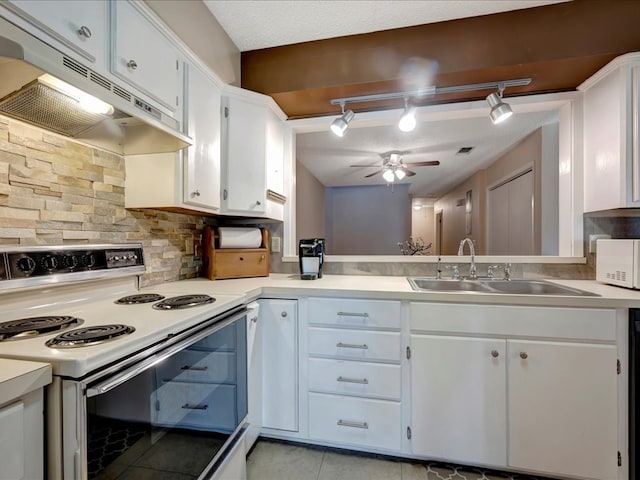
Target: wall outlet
point(592, 240)
point(276, 243)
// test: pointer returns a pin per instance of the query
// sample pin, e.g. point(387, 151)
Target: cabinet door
point(254, 373)
point(202, 124)
point(80, 26)
point(12, 441)
point(458, 399)
point(279, 364)
point(563, 408)
point(143, 56)
point(275, 153)
point(245, 189)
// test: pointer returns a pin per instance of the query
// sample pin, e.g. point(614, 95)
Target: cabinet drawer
point(199, 367)
point(206, 406)
point(355, 378)
point(354, 313)
point(355, 344)
point(240, 263)
point(355, 421)
point(507, 320)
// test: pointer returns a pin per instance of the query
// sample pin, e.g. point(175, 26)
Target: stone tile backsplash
point(57, 191)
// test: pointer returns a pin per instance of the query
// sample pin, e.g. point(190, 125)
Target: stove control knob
point(70, 261)
point(88, 260)
point(26, 265)
point(117, 258)
point(49, 263)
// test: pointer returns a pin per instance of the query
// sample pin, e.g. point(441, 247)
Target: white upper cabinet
point(202, 124)
point(611, 145)
point(143, 56)
point(81, 27)
point(253, 152)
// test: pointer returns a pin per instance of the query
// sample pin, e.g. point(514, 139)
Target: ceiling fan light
point(400, 173)
point(500, 110)
point(408, 120)
point(388, 175)
point(339, 125)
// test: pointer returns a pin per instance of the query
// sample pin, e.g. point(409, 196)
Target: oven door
point(173, 414)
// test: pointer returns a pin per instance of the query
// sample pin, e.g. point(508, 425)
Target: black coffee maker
point(311, 257)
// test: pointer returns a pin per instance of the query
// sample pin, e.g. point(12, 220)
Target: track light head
point(500, 111)
point(408, 119)
point(339, 125)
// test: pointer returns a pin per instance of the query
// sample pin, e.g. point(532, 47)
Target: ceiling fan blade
point(372, 174)
point(409, 173)
point(422, 164)
point(366, 166)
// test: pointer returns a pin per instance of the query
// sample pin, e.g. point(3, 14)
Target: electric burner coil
point(139, 298)
point(183, 301)
point(33, 326)
point(81, 337)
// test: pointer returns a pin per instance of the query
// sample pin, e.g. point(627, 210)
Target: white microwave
point(618, 262)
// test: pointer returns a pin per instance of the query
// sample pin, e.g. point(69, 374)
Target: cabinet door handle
point(258, 202)
point(283, 314)
point(363, 381)
point(349, 423)
point(495, 353)
point(188, 406)
point(353, 314)
point(523, 355)
point(196, 193)
point(194, 367)
point(132, 64)
point(84, 31)
point(352, 345)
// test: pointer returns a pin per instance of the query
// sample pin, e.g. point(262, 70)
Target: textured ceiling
point(256, 24)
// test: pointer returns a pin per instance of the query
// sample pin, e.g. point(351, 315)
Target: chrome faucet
point(472, 252)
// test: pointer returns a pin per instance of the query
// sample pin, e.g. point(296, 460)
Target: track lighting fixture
point(339, 125)
point(500, 111)
point(408, 119)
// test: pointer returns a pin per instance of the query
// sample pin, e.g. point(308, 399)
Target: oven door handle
point(129, 373)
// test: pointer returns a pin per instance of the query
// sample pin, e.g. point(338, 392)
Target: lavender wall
point(367, 220)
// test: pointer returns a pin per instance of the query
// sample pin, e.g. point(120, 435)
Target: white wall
point(422, 226)
point(367, 220)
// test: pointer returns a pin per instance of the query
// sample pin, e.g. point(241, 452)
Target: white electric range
point(172, 367)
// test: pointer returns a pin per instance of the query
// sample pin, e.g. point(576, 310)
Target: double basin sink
point(505, 287)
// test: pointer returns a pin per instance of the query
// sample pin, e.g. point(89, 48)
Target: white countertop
point(398, 288)
point(18, 377)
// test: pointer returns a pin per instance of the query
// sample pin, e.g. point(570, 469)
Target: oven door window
point(171, 420)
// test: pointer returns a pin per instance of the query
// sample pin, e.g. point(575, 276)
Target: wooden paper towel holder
point(220, 263)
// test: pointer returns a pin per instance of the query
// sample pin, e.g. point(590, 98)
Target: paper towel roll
point(240, 237)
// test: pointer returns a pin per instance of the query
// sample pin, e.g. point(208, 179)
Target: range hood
point(43, 87)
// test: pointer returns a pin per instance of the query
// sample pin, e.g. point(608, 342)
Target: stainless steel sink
point(536, 287)
point(505, 287)
point(436, 285)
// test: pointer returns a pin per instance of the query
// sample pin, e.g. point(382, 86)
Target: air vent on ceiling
point(464, 150)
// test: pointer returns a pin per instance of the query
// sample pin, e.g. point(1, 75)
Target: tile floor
point(273, 460)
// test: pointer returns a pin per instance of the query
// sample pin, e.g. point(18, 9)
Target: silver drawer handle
point(188, 406)
point(132, 64)
point(348, 423)
point(193, 367)
point(351, 314)
point(363, 381)
point(84, 31)
point(364, 346)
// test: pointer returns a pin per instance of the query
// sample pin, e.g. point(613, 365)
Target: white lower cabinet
point(562, 408)
point(354, 373)
point(545, 406)
point(355, 421)
point(279, 320)
point(458, 399)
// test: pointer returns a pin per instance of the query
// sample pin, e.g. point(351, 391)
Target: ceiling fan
point(393, 167)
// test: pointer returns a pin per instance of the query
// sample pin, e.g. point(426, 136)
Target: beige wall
point(196, 26)
point(56, 191)
point(310, 212)
point(422, 226)
point(453, 215)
